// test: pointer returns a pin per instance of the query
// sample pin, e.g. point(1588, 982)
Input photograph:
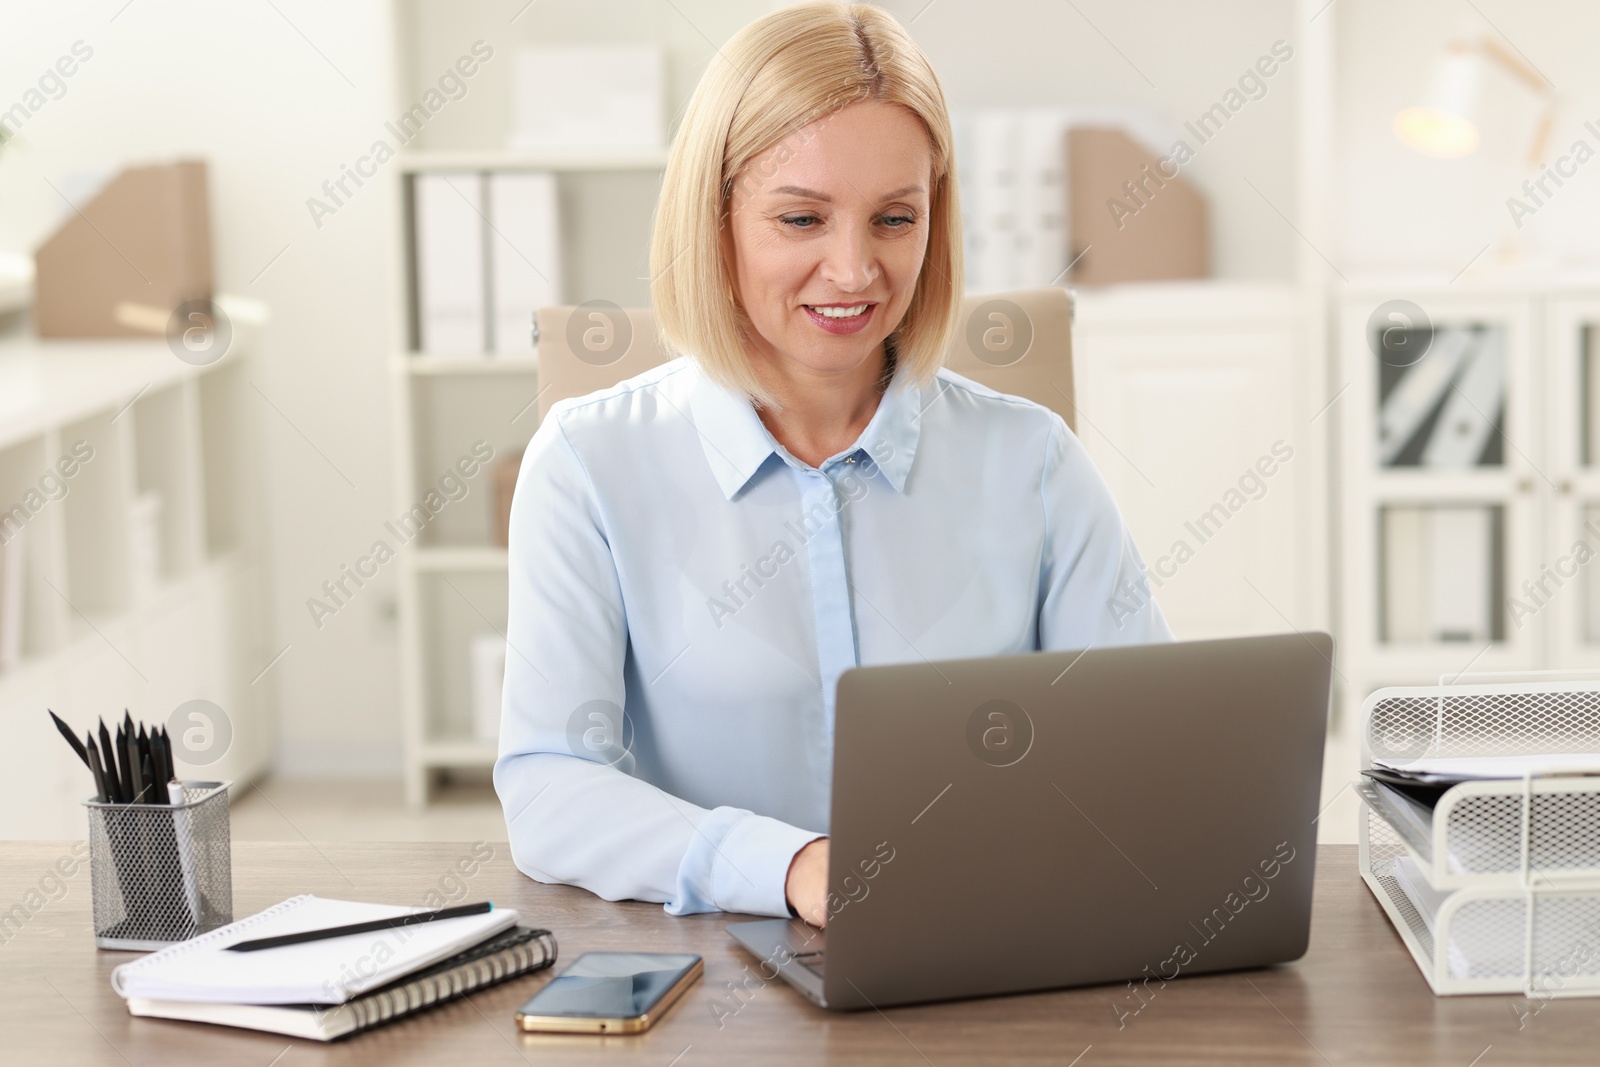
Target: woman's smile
point(840, 319)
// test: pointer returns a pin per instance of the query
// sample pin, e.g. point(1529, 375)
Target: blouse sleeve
point(1093, 590)
point(575, 814)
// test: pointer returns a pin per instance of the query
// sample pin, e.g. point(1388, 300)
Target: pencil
point(72, 738)
point(362, 928)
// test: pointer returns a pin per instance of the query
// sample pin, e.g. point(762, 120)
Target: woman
point(699, 552)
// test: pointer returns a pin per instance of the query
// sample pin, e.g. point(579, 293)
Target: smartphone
point(611, 992)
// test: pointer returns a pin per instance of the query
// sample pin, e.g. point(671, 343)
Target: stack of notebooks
point(327, 989)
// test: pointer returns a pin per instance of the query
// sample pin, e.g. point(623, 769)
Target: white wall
point(240, 86)
point(1396, 208)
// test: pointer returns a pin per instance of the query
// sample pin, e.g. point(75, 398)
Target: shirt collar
point(737, 444)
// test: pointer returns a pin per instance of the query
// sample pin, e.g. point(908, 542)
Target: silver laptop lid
point(1063, 818)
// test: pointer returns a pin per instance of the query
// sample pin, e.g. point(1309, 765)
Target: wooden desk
point(1356, 998)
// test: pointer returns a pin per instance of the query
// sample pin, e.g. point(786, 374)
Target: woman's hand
point(807, 884)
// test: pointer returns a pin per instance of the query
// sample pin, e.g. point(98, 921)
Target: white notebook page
point(329, 971)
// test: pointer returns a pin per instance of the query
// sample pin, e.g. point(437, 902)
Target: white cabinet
point(1469, 473)
point(1199, 403)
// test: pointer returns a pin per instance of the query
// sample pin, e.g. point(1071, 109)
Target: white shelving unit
point(453, 579)
point(99, 632)
point(1542, 481)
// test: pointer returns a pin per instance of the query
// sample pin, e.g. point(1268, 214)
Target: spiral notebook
point(329, 971)
point(520, 950)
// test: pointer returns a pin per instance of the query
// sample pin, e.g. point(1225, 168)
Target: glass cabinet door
point(1441, 500)
point(1565, 587)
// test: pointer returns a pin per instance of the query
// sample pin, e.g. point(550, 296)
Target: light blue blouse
point(685, 593)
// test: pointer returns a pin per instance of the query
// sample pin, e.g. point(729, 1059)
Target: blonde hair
point(771, 80)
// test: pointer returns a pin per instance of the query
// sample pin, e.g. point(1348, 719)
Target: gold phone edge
point(562, 1024)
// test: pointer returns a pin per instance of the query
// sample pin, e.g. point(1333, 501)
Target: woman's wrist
point(806, 885)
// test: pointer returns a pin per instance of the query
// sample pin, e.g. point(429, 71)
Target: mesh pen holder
point(161, 872)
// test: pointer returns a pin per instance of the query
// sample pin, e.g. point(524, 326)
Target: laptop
point(1058, 819)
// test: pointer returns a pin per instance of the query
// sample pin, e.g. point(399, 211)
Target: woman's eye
point(899, 222)
point(799, 222)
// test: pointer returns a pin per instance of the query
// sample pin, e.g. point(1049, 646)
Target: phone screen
point(610, 985)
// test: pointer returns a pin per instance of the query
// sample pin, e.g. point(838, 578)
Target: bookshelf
point(112, 618)
point(453, 578)
point(1462, 555)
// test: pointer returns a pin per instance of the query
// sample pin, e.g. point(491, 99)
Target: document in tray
point(1454, 769)
point(1472, 950)
point(1426, 793)
point(328, 971)
point(1419, 891)
point(1413, 819)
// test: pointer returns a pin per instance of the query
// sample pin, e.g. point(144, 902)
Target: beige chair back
point(1018, 343)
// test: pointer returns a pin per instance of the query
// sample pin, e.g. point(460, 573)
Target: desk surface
point(1356, 997)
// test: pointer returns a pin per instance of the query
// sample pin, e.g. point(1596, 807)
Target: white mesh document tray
point(1497, 889)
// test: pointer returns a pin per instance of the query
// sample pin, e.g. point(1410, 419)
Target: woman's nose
point(848, 261)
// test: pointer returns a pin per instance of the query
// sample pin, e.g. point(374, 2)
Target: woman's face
point(827, 231)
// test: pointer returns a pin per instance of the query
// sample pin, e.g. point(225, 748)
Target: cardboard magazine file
point(123, 262)
point(1156, 231)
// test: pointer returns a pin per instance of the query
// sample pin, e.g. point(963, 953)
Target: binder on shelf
point(1405, 566)
point(1467, 432)
point(1405, 409)
point(1461, 555)
point(486, 256)
point(1590, 453)
point(993, 244)
point(525, 261)
point(1042, 198)
point(1041, 185)
point(449, 266)
point(1439, 565)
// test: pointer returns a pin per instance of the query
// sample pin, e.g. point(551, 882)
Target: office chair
point(1018, 342)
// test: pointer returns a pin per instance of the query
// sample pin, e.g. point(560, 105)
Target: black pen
point(363, 928)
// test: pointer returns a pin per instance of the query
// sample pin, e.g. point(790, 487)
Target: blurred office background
point(1334, 354)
